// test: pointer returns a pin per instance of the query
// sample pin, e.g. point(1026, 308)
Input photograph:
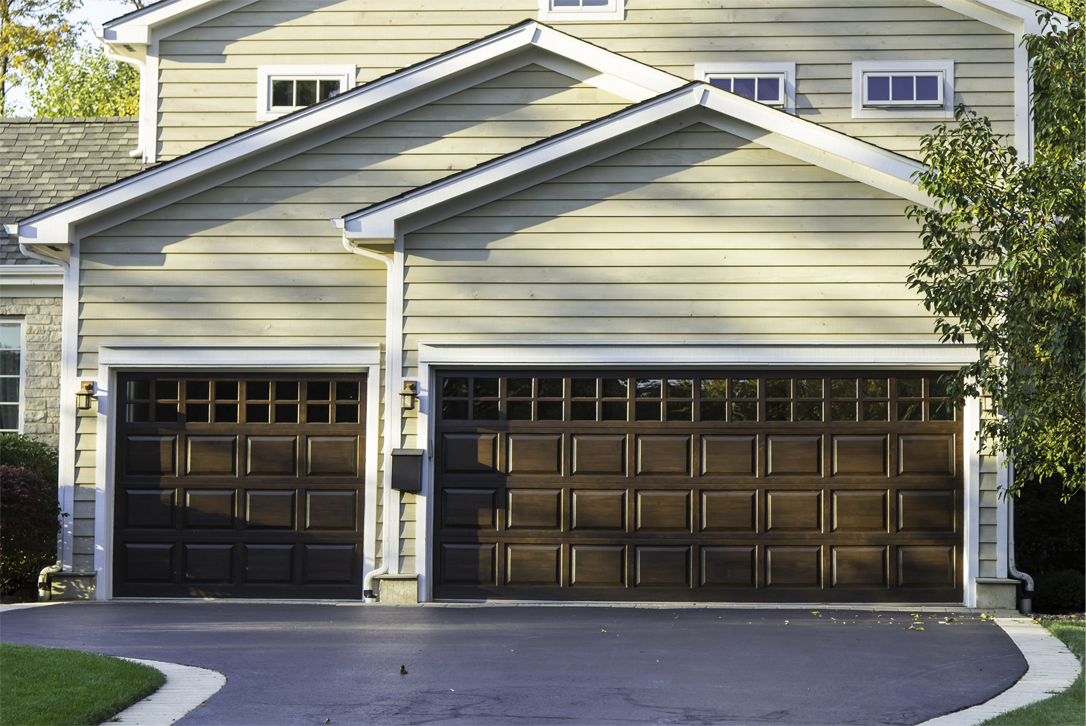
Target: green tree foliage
point(31, 31)
point(82, 82)
point(1005, 261)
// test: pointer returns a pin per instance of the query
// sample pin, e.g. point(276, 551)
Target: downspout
point(386, 536)
point(142, 68)
point(1026, 606)
point(45, 587)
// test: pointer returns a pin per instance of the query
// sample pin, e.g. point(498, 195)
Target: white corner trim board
point(1052, 668)
point(186, 687)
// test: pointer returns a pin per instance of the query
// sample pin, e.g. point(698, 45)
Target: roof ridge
point(68, 119)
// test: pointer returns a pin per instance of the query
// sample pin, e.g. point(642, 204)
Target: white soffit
point(199, 170)
point(804, 140)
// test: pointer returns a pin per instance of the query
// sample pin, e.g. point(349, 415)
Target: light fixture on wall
point(408, 395)
point(84, 395)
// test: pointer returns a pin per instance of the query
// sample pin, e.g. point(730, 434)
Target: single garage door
point(800, 486)
point(239, 486)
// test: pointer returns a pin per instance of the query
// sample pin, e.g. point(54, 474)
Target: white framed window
point(773, 84)
point(583, 10)
point(282, 89)
point(12, 369)
point(905, 89)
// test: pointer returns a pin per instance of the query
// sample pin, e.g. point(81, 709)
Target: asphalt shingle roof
point(47, 161)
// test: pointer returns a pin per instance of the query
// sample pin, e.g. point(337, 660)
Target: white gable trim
point(162, 19)
point(369, 104)
point(662, 115)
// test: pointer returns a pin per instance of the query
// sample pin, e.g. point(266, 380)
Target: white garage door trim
point(791, 354)
point(113, 359)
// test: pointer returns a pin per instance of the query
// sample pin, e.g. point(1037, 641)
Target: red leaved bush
point(29, 521)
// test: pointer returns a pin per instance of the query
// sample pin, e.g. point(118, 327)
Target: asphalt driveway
point(302, 664)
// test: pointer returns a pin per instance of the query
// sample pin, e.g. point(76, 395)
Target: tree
point(1004, 262)
point(83, 81)
point(30, 32)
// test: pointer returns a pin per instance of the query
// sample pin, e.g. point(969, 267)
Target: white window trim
point(615, 10)
point(859, 68)
point(20, 414)
point(435, 355)
point(706, 71)
point(113, 359)
point(345, 74)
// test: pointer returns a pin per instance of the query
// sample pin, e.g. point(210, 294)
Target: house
point(576, 300)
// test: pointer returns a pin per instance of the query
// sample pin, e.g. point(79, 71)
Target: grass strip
point(54, 687)
point(1064, 709)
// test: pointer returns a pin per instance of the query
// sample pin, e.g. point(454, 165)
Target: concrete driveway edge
point(186, 687)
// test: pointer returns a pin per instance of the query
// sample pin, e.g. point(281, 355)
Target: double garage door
point(800, 486)
point(239, 486)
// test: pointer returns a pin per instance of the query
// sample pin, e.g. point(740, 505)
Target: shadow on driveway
point(302, 664)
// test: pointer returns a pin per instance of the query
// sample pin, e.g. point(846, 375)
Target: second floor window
point(581, 10)
point(903, 89)
point(288, 94)
point(282, 89)
point(767, 89)
point(771, 84)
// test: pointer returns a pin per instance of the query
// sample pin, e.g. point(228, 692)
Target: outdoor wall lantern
point(408, 395)
point(84, 395)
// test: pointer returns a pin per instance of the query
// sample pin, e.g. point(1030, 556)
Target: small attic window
point(905, 89)
point(581, 10)
point(282, 89)
point(772, 84)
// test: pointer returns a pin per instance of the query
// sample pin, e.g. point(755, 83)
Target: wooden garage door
point(800, 486)
point(239, 486)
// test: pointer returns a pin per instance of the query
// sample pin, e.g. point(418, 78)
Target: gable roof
point(376, 101)
point(638, 124)
point(47, 161)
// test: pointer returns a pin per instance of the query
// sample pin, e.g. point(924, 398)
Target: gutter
point(386, 536)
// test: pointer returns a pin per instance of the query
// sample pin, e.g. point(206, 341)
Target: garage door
point(799, 486)
point(239, 486)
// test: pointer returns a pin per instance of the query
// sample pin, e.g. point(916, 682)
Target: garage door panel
point(538, 565)
point(663, 456)
point(535, 454)
point(663, 566)
point(859, 511)
point(599, 455)
point(150, 455)
point(728, 567)
point(148, 562)
point(729, 455)
point(729, 511)
point(469, 509)
point(149, 508)
point(270, 509)
point(539, 509)
point(793, 566)
point(663, 511)
point(599, 510)
point(211, 455)
point(272, 456)
point(598, 565)
point(793, 511)
point(860, 455)
point(210, 563)
point(696, 497)
point(209, 509)
point(251, 487)
point(860, 567)
point(269, 563)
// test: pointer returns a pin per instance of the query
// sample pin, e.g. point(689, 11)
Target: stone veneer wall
point(41, 335)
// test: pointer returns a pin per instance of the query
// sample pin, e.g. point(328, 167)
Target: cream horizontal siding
point(207, 76)
point(578, 258)
point(256, 260)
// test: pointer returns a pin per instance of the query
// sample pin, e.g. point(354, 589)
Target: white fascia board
point(31, 280)
point(295, 357)
point(163, 19)
point(828, 149)
point(380, 223)
point(830, 354)
point(1014, 16)
point(54, 226)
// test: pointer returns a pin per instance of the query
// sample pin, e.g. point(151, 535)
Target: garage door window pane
point(714, 411)
point(679, 410)
point(809, 411)
point(454, 410)
point(520, 411)
point(615, 387)
point(680, 387)
point(648, 411)
point(226, 390)
point(910, 387)
point(486, 411)
point(583, 387)
point(549, 410)
point(256, 413)
point(843, 411)
point(199, 390)
point(745, 388)
point(778, 388)
point(714, 387)
point(346, 413)
point(286, 390)
point(742, 411)
point(318, 413)
point(843, 388)
point(876, 411)
point(166, 412)
point(584, 410)
point(318, 390)
point(196, 413)
point(778, 411)
point(809, 388)
point(648, 388)
point(519, 387)
point(228, 412)
point(137, 413)
point(485, 388)
point(550, 387)
point(347, 391)
point(614, 410)
point(286, 413)
point(258, 390)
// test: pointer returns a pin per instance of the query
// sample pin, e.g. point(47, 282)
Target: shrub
point(19, 450)
point(1060, 592)
point(29, 521)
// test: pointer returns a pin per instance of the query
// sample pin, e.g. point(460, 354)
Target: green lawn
point(1063, 709)
point(53, 687)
